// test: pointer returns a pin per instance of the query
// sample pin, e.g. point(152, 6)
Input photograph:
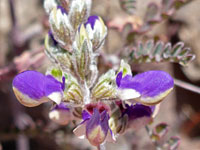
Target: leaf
point(105, 87)
point(161, 130)
point(128, 5)
point(152, 14)
point(72, 92)
point(173, 143)
point(160, 52)
point(58, 55)
point(167, 8)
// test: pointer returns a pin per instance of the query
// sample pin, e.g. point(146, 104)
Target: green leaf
point(160, 52)
point(152, 13)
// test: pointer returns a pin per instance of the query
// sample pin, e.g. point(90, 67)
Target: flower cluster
point(106, 106)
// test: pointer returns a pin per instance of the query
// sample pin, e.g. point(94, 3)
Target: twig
point(187, 86)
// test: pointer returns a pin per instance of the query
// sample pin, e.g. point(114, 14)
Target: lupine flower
point(116, 103)
point(95, 127)
point(33, 88)
point(61, 114)
point(148, 88)
point(96, 31)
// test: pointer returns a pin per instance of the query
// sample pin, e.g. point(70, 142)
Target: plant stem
point(187, 86)
point(101, 147)
point(149, 132)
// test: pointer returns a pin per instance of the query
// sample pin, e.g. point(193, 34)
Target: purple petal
point(52, 85)
point(85, 115)
point(152, 85)
point(61, 106)
point(104, 122)
point(62, 9)
point(91, 20)
point(138, 115)
point(119, 78)
point(97, 127)
point(94, 121)
point(138, 111)
point(35, 86)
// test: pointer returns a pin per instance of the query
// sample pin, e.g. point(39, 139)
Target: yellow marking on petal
point(26, 100)
point(96, 136)
point(153, 100)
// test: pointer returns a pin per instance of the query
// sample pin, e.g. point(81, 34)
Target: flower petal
point(33, 88)
point(97, 127)
point(80, 130)
point(151, 86)
point(61, 114)
point(138, 115)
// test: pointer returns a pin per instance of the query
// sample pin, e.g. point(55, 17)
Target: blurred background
point(23, 25)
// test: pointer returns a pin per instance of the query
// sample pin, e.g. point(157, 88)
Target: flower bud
point(96, 30)
point(61, 27)
point(49, 5)
point(61, 114)
point(79, 12)
point(56, 54)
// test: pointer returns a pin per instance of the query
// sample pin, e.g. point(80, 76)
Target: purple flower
point(148, 88)
point(95, 127)
point(33, 88)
